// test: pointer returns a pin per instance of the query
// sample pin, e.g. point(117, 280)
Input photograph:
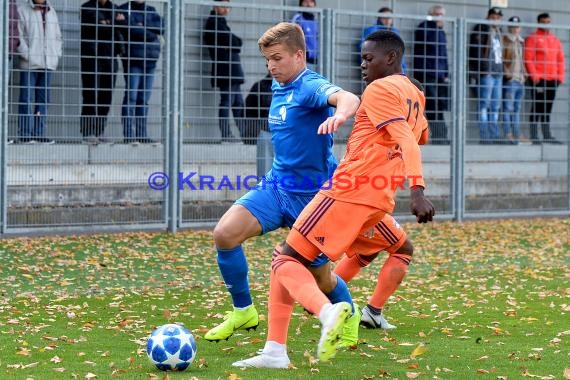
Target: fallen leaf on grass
point(56, 359)
point(22, 366)
point(312, 360)
point(419, 350)
point(382, 373)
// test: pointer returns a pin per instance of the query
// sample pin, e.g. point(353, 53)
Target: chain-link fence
point(105, 140)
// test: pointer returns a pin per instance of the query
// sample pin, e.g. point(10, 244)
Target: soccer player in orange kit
point(344, 217)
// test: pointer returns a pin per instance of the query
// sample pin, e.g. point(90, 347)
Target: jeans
point(36, 82)
point(139, 79)
point(513, 92)
point(230, 98)
point(488, 106)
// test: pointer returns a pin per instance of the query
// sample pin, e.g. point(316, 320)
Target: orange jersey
point(383, 150)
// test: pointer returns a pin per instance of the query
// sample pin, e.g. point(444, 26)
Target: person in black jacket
point(257, 104)
point(142, 31)
point(100, 44)
point(431, 68)
point(224, 48)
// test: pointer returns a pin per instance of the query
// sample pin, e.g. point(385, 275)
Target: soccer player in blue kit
point(302, 120)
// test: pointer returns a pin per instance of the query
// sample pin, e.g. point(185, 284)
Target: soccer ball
point(171, 348)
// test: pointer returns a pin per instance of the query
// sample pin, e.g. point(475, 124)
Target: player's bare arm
point(346, 104)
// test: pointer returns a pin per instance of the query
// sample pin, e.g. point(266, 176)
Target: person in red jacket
point(544, 61)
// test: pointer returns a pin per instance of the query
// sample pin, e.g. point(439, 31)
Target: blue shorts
point(275, 208)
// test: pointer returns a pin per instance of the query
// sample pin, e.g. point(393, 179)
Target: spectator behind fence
point(257, 104)
point(432, 70)
point(39, 49)
point(13, 35)
point(544, 60)
point(382, 23)
point(514, 77)
point(101, 42)
point(142, 35)
point(486, 73)
point(227, 73)
point(310, 25)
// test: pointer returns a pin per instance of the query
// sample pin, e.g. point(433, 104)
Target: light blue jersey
point(303, 159)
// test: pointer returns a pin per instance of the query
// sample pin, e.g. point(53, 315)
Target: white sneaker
point(264, 361)
point(374, 321)
point(333, 317)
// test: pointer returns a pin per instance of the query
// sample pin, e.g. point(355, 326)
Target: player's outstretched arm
point(346, 104)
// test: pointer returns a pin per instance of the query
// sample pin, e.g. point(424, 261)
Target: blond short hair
point(287, 33)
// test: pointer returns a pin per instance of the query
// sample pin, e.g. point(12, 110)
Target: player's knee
point(235, 226)
point(226, 237)
point(366, 260)
point(222, 236)
point(407, 248)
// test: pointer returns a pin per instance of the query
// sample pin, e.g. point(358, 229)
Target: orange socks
point(279, 311)
point(391, 275)
point(290, 281)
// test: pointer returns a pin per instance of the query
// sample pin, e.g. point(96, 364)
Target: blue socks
point(233, 267)
point(340, 293)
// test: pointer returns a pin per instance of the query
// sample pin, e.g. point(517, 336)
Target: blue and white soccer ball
point(171, 348)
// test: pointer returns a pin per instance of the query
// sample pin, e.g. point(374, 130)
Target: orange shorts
point(335, 227)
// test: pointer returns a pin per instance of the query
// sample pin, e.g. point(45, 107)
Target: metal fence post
point(460, 121)
point(4, 114)
point(174, 111)
point(327, 62)
point(568, 146)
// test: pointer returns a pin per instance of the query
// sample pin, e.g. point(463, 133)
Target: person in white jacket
point(39, 51)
